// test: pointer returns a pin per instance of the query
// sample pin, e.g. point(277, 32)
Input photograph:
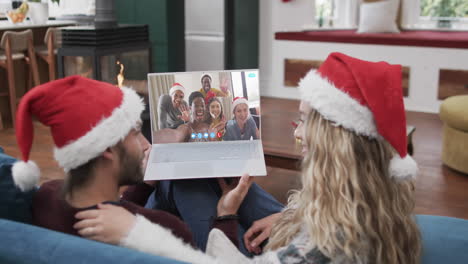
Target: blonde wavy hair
point(351, 207)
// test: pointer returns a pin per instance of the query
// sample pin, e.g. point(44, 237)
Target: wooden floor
point(439, 190)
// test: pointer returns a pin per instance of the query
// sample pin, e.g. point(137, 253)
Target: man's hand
point(259, 232)
point(185, 113)
point(233, 194)
point(108, 224)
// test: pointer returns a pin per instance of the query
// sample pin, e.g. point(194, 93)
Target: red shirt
point(51, 211)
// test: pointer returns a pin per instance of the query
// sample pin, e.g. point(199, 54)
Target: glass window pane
point(444, 8)
point(132, 66)
point(251, 80)
point(237, 84)
point(78, 65)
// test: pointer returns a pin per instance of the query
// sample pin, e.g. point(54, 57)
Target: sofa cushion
point(379, 17)
point(454, 112)
point(14, 204)
point(31, 244)
point(445, 239)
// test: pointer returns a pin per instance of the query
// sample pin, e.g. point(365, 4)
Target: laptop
point(205, 125)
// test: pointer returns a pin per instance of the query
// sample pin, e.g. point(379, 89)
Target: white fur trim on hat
point(337, 106)
point(108, 132)
point(208, 75)
point(26, 175)
point(155, 239)
point(238, 102)
point(176, 88)
point(403, 168)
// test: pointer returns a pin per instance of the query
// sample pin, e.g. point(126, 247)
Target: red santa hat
point(364, 97)
point(85, 117)
point(237, 101)
point(176, 87)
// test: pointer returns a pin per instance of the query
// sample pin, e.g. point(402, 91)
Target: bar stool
point(17, 46)
point(48, 52)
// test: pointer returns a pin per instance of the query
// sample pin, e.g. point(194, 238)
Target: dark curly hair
point(194, 95)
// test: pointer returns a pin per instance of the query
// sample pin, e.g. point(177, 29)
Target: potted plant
point(38, 11)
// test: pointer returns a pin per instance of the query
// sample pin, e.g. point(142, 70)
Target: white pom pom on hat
point(403, 168)
point(26, 175)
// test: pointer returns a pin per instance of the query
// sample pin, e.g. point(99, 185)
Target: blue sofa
point(445, 239)
point(21, 242)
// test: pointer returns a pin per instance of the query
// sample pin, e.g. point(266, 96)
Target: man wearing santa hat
point(173, 111)
point(96, 130)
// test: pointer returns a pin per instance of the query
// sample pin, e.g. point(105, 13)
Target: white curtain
point(410, 13)
point(159, 85)
point(227, 101)
point(346, 13)
point(227, 106)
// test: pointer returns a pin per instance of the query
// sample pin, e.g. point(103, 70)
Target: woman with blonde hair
point(356, 200)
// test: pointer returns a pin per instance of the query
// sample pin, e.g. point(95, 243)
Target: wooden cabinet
point(296, 69)
point(452, 82)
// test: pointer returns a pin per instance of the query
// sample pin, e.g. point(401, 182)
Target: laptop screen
point(210, 106)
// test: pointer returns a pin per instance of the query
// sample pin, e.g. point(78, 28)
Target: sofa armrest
point(445, 239)
point(14, 204)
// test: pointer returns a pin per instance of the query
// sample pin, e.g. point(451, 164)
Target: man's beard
point(130, 169)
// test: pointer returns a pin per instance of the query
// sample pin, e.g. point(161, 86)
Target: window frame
point(414, 19)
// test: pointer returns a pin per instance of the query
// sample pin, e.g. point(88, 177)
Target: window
point(324, 13)
point(445, 13)
point(452, 9)
point(433, 14)
point(245, 84)
point(237, 84)
point(71, 7)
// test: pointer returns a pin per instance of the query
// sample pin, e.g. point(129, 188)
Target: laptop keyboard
point(206, 151)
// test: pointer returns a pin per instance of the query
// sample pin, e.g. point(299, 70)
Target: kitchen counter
point(6, 25)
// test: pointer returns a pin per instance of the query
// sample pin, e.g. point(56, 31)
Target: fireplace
point(115, 53)
point(101, 53)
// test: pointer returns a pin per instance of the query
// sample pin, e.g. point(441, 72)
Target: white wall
point(278, 16)
point(424, 62)
point(192, 82)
